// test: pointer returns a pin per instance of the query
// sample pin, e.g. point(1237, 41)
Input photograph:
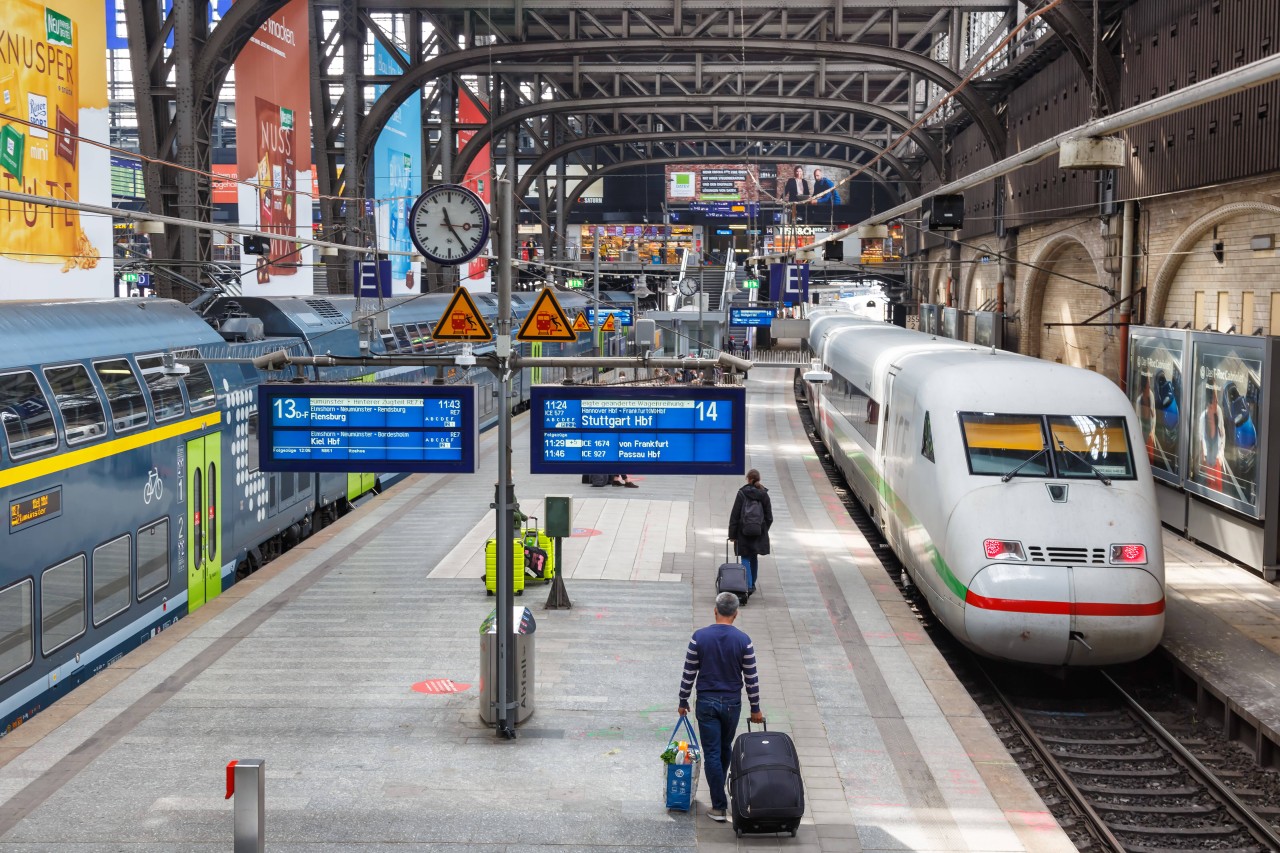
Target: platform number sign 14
point(706, 411)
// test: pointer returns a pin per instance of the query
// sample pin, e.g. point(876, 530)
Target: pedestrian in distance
point(749, 524)
point(720, 660)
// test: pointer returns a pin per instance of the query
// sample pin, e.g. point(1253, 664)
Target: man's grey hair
point(727, 604)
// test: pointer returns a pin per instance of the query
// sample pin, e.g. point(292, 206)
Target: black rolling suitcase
point(766, 793)
point(732, 577)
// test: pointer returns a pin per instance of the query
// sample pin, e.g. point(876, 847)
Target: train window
point(402, 338)
point(153, 558)
point(388, 342)
point(24, 410)
point(111, 578)
point(61, 604)
point(17, 640)
point(166, 398)
point(926, 443)
point(197, 529)
point(253, 441)
point(78, 401)
point(124, 394)
point(200, 393)
point(1089, 446)
point(997, 444)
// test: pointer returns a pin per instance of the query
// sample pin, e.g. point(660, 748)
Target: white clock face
point(449, 224)
point(688, 286)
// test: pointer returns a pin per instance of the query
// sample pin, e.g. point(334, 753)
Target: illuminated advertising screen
point(397, 173)
point(53, 93)
point(1225, 387)
point(1156, 366)
point(273, 151)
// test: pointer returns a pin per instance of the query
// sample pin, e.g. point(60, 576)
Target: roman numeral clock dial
point(449, 224)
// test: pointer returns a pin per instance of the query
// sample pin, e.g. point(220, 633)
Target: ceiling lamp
point(1092, 152)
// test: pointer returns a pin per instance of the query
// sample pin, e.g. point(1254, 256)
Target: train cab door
point(890, 458)
point(204, 520)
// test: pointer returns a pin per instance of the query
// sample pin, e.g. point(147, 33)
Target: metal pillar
point(190, 25)
point(246, 781)
point(352, 109)
point(562, 238)
point(505, 498)
point(595, 311)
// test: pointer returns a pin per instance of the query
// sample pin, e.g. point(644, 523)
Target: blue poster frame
point(734, 462)
point(269, 431)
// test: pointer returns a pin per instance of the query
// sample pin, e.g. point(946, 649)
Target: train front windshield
point(1061, 446)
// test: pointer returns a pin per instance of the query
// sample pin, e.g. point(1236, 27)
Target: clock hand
point(449, 224)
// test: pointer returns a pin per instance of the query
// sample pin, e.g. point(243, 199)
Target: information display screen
point(367, 428)
point(750, 316)
point(664, 430)
point(623, 315)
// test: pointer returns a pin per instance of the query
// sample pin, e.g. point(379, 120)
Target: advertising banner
point(53, 92)
point(800, 184)
point(273, 151)
point(1226, 390)
point(397, 173)
point(1156, 367)
point(475, 275)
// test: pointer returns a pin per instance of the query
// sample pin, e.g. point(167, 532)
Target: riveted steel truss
point(601, 83)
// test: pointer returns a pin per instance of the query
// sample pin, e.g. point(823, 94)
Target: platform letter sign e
point(373, 278)
point(789, 283)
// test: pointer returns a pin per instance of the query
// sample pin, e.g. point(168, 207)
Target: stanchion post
point(246, 782)
point(558, 513)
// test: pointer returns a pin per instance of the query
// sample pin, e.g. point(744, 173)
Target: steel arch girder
point(1076, 32)
point(798, 104)
point(571, 198)
point(551, 155)
point(490, 58)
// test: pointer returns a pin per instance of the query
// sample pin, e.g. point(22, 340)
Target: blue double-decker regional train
point(129, 462)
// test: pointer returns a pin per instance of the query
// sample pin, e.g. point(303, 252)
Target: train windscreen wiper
point(1106, 481)
point(1024, 463)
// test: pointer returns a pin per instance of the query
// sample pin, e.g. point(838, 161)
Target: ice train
point(1011, 489)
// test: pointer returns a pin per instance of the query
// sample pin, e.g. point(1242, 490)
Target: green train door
point(204, 520)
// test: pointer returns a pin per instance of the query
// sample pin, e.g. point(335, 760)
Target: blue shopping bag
point(682, 779)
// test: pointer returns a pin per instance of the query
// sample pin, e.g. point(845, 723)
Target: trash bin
point(525, 625)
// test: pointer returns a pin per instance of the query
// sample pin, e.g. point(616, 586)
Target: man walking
point(720, 660)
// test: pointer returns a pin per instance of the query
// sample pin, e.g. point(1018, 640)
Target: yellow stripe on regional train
point(65, 461)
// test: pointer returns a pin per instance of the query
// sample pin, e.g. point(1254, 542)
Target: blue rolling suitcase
point(733, 577)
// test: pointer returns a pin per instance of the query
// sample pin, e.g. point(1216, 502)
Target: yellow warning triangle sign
point(461, 320)
point(580, 323)
point(547, 322)
point(610, 324)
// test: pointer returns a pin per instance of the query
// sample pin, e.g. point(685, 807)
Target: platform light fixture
point(147, 226)
point(1092, 152)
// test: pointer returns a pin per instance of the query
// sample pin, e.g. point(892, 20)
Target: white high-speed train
point(1012, 489)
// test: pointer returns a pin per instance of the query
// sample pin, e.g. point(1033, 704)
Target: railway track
point(1114, 777)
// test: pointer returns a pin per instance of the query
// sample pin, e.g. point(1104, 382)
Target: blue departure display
point(750, 316)
point(663, 430)
point(623, 315)
point(367, 428)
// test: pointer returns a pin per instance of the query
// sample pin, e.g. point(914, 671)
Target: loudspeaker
point(256, 245)
point(833, 251)
point(943, 212)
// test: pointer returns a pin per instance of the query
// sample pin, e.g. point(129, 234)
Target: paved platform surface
point(311, 665)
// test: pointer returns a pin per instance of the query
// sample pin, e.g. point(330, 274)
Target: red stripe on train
point(1063, 608)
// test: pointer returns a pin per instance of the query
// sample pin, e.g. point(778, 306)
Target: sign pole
point(595, 312)
point(504, 499)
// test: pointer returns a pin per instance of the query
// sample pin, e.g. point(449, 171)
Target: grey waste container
point(525, 625)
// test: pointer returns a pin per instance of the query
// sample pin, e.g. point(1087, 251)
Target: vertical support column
point(352, 111)
point(190, 22)
point(953, 272)
point(1126, 287)
point(505, 498)
point(595, 311)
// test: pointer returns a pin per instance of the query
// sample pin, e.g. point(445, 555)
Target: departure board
point(367, 428)
point(614, 430)
point(750, 316)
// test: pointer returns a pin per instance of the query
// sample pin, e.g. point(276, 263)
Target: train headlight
point(1003, 549)
point(1129, 555)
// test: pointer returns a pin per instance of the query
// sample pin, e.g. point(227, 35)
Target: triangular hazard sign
point(461, 320)
point(580, 323)
point(610, 324)
point(547, 322)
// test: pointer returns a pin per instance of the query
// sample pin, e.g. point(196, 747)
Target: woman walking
point(749, 524)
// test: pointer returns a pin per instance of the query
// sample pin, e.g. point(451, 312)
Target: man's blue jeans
point(717, 724)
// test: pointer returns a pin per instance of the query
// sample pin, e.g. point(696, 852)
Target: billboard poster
point(1226, 387)
point(475, 275)
point(53, 92)
point(706, 182)
point(397, 173)
point(1155, 389)
point(273, 152)
point(798, 183)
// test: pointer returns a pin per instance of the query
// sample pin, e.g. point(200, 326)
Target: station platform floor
point(322, 663)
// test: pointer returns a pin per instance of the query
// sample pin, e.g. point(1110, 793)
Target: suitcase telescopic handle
point(726, 549)
point(764, 725)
